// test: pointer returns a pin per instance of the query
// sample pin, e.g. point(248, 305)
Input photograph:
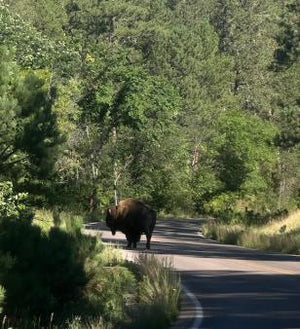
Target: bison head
point(111, 219)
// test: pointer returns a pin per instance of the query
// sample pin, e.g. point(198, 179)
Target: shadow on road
point(240, 300)
point(182, 238)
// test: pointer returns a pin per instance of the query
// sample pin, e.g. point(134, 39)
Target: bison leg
point(136, 238)
point(148, 236)
point(129, 241)
point(133, 239)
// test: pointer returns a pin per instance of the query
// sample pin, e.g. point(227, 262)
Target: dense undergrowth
point(69, 280)
point(278, 235)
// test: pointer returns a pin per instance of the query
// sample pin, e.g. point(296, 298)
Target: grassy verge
point(278, 235)
point(153, 303)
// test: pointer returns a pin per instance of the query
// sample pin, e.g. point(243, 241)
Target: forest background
point(191, 106)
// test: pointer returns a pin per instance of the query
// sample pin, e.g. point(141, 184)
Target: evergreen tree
point(29, 134)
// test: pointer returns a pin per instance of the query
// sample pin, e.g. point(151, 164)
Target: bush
point(60, 273)
point(13, 205)
point(47, 271)
point(68, 221)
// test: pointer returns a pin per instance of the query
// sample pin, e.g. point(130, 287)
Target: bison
point(133, 218)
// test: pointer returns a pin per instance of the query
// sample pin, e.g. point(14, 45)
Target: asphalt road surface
point(238, 288)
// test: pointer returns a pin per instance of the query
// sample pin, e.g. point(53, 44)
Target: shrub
point(72, 222)
point(13, 205)
point(47, 271)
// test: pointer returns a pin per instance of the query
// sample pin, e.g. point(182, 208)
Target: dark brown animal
point(133, 218)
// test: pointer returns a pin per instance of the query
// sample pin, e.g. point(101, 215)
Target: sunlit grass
point(46, 219)
point(278, 235)
point(288, 224)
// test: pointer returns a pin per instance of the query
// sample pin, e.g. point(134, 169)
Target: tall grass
point(158, 292)
point(75, 323)
point(278, 235)
point(2, 295)
point(67, 221)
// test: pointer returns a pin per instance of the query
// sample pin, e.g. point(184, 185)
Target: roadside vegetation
point(278, 235)
point(70, 280)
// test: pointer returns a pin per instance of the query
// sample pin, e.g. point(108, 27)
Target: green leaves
point(32, 49)
point(11, 205)
point(288, 38)
point(29, 134)
point(163, 74)
point(239, 165)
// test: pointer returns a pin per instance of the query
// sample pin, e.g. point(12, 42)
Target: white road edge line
point(198, 308)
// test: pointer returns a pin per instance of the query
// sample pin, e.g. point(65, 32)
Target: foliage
point(164, 76)
point(288, 38)
point(29, 133)
point(12, 205)
point(238, 166)
point(247, 30)
point(33, 50)
point(52, 278)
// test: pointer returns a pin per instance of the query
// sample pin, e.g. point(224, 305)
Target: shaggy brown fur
point(133, 218)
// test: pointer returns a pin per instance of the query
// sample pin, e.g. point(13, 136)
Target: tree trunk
point(114, 133)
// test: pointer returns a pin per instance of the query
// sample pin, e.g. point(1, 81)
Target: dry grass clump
point(285, 225)
point(158, 292)
point(279, 236)
point(223, 232)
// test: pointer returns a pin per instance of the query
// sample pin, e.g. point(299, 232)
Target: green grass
point(278, 235)
point(2, 295)
point(68, 221)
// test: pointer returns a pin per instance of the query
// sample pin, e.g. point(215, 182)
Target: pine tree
point(29, 133)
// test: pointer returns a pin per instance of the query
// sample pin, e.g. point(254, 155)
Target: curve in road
point(238, 288)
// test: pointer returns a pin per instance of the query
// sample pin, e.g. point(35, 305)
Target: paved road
point(238, 288)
